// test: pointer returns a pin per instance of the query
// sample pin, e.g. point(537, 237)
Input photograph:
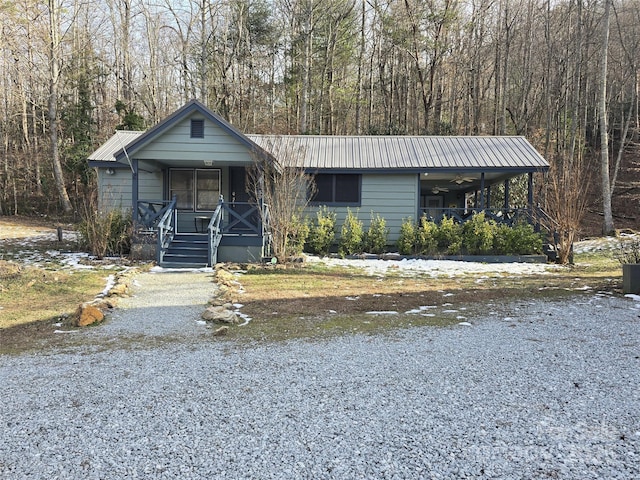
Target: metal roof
point(117, 142)
point(365, 153)
point(324, 152)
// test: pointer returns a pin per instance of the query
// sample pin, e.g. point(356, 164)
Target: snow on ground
point(435, 268)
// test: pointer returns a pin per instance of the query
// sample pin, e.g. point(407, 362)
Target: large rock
point(88, 315)
point(220, 314)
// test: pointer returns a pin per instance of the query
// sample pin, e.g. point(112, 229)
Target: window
point(195, 190)
point(197, 128)
point(339, 189)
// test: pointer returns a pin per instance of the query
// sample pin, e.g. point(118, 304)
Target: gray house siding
point(177, 146)
point(393, 197)
point(115, 190)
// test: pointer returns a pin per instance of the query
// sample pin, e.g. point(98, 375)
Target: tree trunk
point(54, 77)
point(607, 226)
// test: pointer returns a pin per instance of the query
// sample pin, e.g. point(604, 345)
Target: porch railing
point(267, 234)
point(150, 212)
point(166, 229)
point(509, 216)
point(215, 233)
point(238, 219)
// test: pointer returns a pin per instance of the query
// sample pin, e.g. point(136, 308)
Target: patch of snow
point(465, 324)
point(633, 297)
point(434, 268)
point(382, 312)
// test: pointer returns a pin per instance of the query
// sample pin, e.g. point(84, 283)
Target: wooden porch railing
point(149, 212)
point(238, 219)
point(166, 229)
point(215, 233)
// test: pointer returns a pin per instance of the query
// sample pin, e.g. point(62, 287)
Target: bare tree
point(607, 226)
point(52, 107)
point(280, 183)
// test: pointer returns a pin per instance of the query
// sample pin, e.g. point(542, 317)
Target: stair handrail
point(214, 231)
point(267, 236)
point(166, 229)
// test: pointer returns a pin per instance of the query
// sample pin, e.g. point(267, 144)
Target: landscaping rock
point(219, 314)
point(88, 315)
point(221, 331)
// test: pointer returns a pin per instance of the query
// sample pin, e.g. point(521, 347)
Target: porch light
point(110, 171)
point(208, 163)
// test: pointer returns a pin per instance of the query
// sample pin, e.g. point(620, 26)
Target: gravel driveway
point(542, 390)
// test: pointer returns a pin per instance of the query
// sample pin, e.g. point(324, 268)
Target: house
point(185, 181)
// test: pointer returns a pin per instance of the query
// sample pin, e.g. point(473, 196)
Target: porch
point(234, 232)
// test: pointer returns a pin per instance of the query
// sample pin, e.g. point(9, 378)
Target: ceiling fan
point(459, 179)
point(436, 190)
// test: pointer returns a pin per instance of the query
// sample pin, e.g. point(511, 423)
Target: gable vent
point(197, 128)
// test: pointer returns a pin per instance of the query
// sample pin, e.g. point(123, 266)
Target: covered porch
point(458, 195)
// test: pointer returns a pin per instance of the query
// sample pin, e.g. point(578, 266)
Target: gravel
point(539, 390)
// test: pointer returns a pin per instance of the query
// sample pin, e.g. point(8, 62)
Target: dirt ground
point(14, 227)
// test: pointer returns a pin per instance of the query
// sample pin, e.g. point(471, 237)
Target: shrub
point(448, 236)
point(521, 239)
point(426, 237)
point(351, 235)
point(106, 233)
point(298, 233)
point(478, 234)
point(407, 238)
point(628, 252)
point(375, 240)
point(322, 232)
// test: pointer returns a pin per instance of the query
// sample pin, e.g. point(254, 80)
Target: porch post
point(488, 196)
point(482, 206)
point(530, 192)
point(134, 188)
point(506, 195)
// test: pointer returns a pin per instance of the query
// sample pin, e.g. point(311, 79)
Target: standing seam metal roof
point(409, 152)
point(324, 152)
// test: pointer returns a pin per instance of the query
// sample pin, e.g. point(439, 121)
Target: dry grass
point(305, 301)
point(29, 294)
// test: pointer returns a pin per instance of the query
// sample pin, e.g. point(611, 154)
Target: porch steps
point(187, 250)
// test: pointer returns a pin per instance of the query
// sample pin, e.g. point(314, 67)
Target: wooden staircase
point(187, 250)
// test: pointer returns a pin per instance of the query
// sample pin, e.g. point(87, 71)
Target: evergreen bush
point(351, 235)
point(426, 237)
point(448, 236)
point(322, 232)
point(407, 238)
point(375, 239)
point(478, 234)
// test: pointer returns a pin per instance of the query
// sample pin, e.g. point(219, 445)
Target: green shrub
point(322, 232)
point(521, 239)
point(106, 233)
point(298, 234)
point(407, 238)
point(478, 234)
point(448, 237)
point(351, 235)
point(426, 237)
point(375, 239)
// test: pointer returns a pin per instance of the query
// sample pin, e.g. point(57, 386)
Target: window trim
point(333, 202)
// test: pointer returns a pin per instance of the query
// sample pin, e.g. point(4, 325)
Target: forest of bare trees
point(563, 73)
